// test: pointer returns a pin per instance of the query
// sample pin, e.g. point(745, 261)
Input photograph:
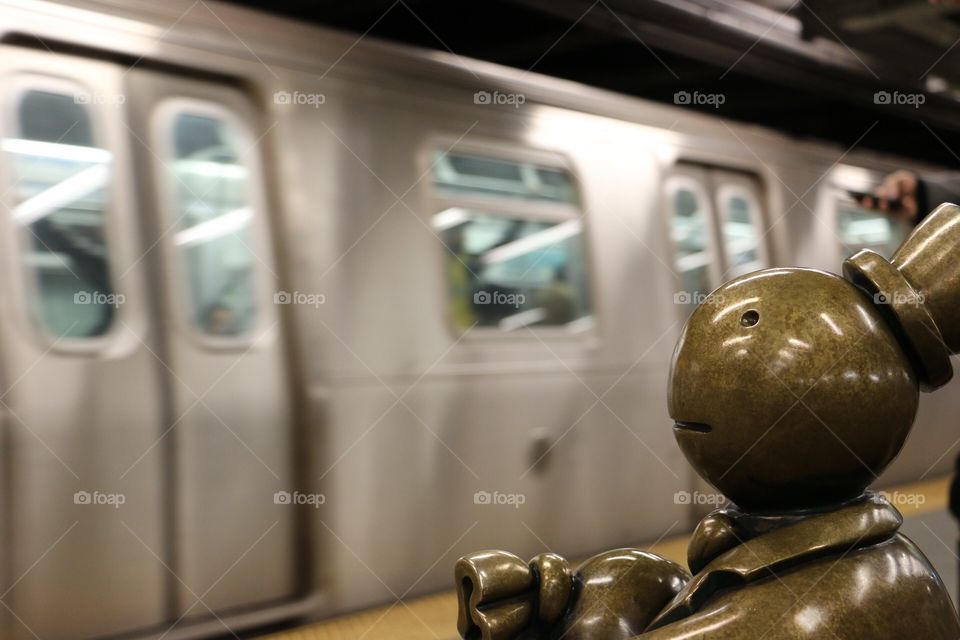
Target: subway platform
point(926, 521)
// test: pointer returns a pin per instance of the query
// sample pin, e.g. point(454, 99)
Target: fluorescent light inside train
point(214, 228)
point(449, 218)
point(540, 240)
point(74, 188)
point(212, 169)
point(57, 151)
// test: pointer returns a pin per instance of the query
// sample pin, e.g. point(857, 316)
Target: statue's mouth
point(699, 427)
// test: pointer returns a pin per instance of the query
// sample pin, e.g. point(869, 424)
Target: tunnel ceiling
point(810, 68)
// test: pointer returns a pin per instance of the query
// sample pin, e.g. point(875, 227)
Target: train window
point(739, 220)
point(60, 194)
point(213, 213)
point(456, 174)
point(689, 233)
point(862, 229)
point(510, 272)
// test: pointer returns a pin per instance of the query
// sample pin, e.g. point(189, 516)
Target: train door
point(233, 501)
point(80, 404)
point(740, 221)
point(717, 230)
point(690, 216)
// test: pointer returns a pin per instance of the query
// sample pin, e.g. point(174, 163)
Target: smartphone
point(893, 204)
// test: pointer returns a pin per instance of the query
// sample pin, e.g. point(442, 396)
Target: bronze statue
point(792, 390)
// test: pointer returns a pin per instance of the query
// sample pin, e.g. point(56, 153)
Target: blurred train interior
point(303, 301)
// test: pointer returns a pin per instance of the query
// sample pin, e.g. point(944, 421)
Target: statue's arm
point(612, 596)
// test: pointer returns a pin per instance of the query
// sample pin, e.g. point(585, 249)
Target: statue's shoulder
point(887, 590)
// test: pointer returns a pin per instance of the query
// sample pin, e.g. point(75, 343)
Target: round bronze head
point(790, 391)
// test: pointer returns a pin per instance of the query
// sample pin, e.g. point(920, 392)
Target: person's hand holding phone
point(895, 196)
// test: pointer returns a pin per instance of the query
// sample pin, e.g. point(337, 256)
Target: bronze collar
point(862, 523)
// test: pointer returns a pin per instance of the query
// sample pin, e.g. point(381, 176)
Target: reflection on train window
point(213, 214)
point(689, 233)
point(862, 229)
point(510, 272)
point(60, 183)
point(740, 235)
point(468, 174)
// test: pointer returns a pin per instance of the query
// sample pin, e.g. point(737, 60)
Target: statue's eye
point(749, 318)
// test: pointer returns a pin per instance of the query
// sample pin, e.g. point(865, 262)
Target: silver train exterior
point(347, 439)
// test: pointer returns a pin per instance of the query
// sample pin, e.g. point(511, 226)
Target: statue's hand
point(501, 597)
point(619, 593)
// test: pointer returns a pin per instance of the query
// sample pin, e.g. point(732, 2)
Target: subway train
point(292, 318)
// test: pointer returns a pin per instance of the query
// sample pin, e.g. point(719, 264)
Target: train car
point(291, 318)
